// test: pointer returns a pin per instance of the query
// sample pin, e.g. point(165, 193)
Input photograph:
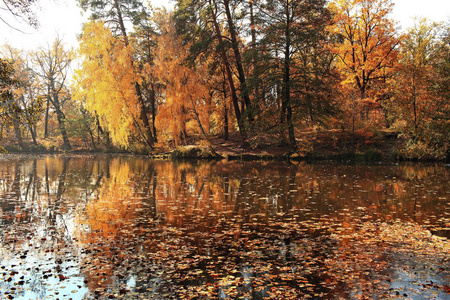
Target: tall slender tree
point(9, 111)
point(419, 104)
point(417, 54)
point(52, 66)
point(291, 29)
point(25, 95)
point(144, 43)
point(106, 81)
point(236, 46)
point(116, 13)
point(210, 25)
point(186, 93)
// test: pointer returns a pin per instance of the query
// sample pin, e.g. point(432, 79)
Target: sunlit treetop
point(368, 46)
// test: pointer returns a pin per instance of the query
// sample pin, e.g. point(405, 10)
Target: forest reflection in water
point(116, 226)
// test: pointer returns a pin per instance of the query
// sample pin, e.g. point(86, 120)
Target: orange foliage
point(187, 95)
point(367, 49)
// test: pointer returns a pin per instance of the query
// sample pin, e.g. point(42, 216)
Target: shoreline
point(311, 146)
point(357, 158)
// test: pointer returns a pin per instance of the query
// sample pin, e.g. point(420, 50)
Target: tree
point(236, 46)
point(25, 106)
point(19, 10)
point(115, 13)
point(367, 49)
point(417, 54)
point(210, 27)
point(144, 44)
point(81, 126)
point(228, 70)
point(106, 81)
point(7, 104)
point(292, 32)
point(52, 66)
point(419, 105)
point(441, 117)
point(186, 87)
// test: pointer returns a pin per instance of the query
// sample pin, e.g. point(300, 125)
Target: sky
point(61, 18)
point(64, 18)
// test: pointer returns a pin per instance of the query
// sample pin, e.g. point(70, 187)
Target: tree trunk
point(153, 105)
point(226, 63)
point(29, 125)
point(252, 25)
point(60, 116)
point(62, 128)
point(197, 118)
point(91, 134)
point(237, 55)
point(33, 133)
point(414, 98)
point(225, 109)
point(255, 74)
point(143, 116)
point(46, 115)
point(18, 132)
point(286, 86)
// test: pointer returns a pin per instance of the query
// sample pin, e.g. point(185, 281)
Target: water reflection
point(105, 227)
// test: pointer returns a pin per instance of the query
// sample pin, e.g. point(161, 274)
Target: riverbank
point(336, 145)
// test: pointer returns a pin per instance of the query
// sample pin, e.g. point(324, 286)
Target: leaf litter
point(252, 248)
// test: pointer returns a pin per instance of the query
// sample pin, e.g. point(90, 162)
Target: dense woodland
point(265, 71)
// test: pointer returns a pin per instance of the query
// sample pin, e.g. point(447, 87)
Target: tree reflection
point(116, 225)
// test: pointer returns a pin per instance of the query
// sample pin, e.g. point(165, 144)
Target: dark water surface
point(88, 227)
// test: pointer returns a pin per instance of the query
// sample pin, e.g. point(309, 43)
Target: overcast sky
point(63, 18)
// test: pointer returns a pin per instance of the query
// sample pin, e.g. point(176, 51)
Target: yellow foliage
point(106, 81)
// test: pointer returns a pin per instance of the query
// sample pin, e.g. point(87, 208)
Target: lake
point(105, 227)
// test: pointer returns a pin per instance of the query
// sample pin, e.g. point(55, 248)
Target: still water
point(105, 227)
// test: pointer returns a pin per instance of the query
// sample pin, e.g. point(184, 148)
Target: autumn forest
point(316, 109)
point(262, 72)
